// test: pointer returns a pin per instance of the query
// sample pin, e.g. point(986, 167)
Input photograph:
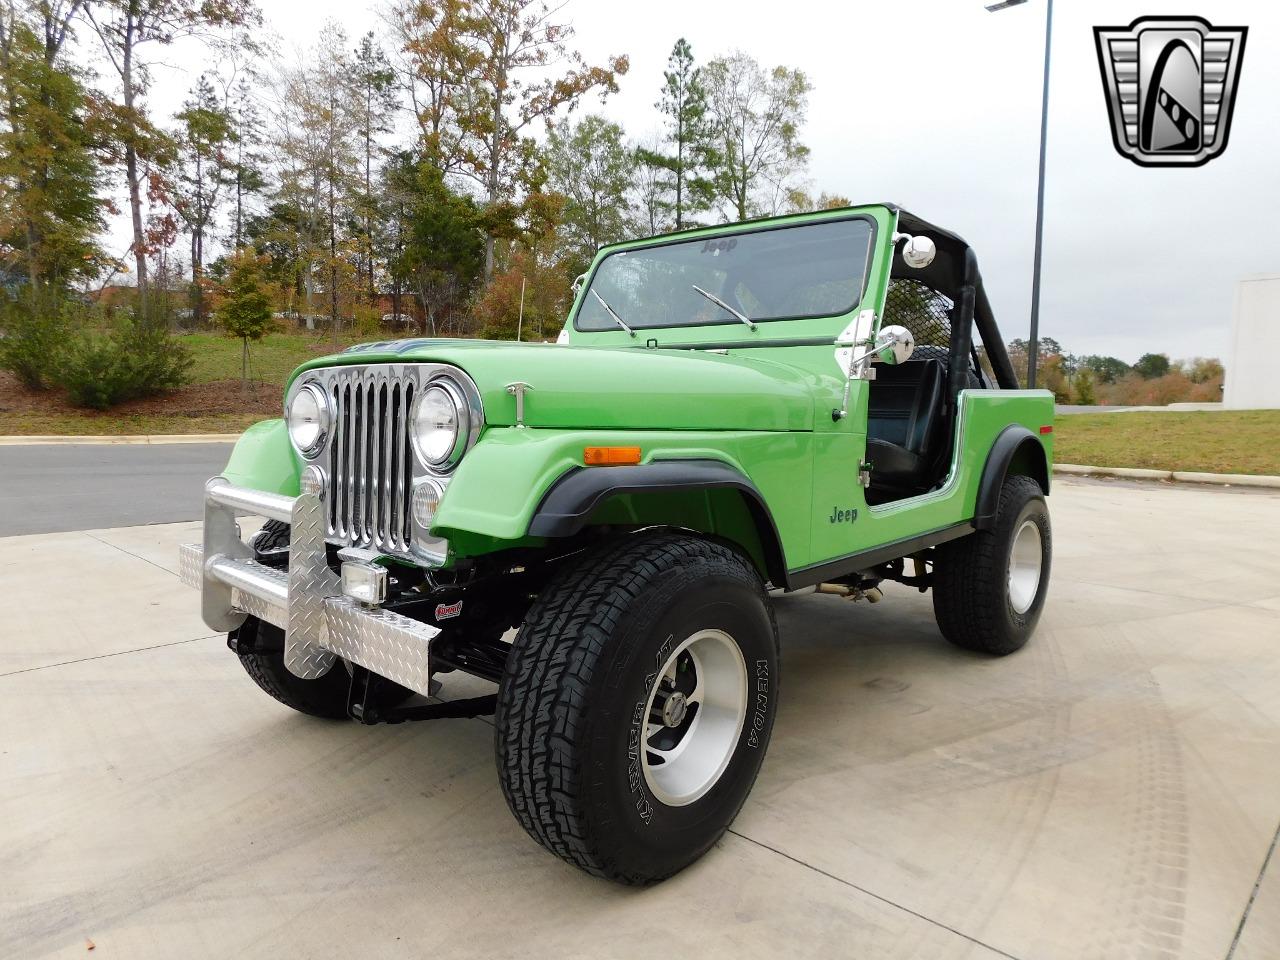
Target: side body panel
point(499, 484)
point(843, 521)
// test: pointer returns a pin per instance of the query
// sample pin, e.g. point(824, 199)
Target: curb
point(125, 439)
point(1171, 476)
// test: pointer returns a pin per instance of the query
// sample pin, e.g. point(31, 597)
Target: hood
point(602, 388)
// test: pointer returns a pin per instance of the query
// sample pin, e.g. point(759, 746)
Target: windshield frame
point(725, 231)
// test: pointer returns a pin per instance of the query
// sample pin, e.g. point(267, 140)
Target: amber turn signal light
point(610, 456)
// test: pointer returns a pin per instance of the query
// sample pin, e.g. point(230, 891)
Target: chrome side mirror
point(894, 345)
point(918, 252)
point(578, 281)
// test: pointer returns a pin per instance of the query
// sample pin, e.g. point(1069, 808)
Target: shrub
point(546, 299)
point(133, 359)
point(1084, 388)
point(366, 322)
point(34, 338)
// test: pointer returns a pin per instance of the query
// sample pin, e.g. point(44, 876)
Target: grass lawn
point(217, 357)
point(92, 424)
point(1236, 441)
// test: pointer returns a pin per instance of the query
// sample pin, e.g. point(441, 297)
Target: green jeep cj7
point(816, 400)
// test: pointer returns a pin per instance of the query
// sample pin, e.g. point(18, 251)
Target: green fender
point(263, 459)
point(493, 497)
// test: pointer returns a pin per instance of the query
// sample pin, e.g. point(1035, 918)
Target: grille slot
point(370, 462)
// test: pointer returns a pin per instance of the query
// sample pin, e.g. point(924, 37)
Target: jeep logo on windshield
point(1171, 86)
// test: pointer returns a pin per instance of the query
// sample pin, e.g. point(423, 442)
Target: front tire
point(989, 587)
point(324, 697)
point(637, 705)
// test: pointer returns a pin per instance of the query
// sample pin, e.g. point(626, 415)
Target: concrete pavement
point(1110, 792)
point(83, 486)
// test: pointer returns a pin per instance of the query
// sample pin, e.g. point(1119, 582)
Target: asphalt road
point(1109, 793)
point(47, 488)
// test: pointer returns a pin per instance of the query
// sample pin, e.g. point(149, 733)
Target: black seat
point(904, 416)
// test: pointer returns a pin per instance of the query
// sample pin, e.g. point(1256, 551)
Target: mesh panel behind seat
point(922, 310)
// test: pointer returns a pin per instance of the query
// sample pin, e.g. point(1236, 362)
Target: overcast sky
point(935, 104)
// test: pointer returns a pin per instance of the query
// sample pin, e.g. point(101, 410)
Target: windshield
point(782, 273)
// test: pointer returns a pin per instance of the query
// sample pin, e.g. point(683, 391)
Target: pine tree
point(372, 84)
point(204, 141)
point(684, 104)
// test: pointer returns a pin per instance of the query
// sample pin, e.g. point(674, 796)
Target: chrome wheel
point(1026, 558)
point(694, 717)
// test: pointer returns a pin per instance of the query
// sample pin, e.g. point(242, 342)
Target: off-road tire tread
point(272, 538)
point(325, 697)
point(549, 672)
point(971, 567)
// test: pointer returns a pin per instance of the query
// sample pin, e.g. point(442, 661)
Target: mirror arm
point(843, 411)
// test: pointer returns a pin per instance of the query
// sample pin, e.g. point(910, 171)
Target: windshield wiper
point(720, 303)
point(605, 303)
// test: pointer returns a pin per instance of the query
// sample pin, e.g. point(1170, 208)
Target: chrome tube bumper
point(306, 602)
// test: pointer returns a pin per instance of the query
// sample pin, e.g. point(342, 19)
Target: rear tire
point(637, 704)
point(324, 697)
point(989, 587)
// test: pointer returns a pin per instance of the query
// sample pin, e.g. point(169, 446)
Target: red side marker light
point(1048, 428)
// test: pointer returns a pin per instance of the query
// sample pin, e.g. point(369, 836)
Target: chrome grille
point(370, 461)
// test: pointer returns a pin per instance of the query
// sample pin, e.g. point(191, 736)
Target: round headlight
point(439, 417)
point(308, 419)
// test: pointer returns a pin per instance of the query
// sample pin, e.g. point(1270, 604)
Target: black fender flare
point(1016, 449)
point(569, 502)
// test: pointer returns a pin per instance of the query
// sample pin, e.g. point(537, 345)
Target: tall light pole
point(1034, 347)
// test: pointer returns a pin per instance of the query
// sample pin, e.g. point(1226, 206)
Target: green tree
point(684, 104)
point(651, 198)
point(589, 164)
point(511, 41)
point(319, 149)
point(1083, 385)
point(753, 118)
point(1047, 348)
point(801, 201)
point(1152, 365)
point(440, 240)
point(373, 89)
point(244, 308)
point(1106, 369)
point(278, 233)
point(49, 174)
point(1052, 378)
point(205, 140)
point(436, 61)
point(248, 164)
point(1203, 369)
point(127, 28)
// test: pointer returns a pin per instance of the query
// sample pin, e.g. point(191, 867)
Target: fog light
point(426, 500)
point(366, 582)
point(312, 482)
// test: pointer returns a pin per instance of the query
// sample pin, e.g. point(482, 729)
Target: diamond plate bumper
point(320, 623)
